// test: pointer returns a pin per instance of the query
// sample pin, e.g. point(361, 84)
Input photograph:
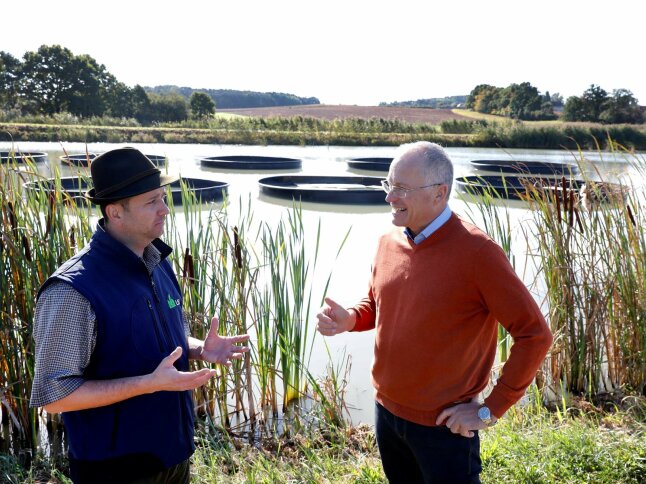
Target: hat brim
point(146, 185)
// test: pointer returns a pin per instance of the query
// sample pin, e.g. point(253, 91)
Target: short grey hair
point(438, 164)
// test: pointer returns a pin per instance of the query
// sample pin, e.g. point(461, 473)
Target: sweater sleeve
point(509, 301)
point(366, 313)
point(366, 309)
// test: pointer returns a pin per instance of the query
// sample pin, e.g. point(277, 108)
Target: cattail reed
point(590, 263)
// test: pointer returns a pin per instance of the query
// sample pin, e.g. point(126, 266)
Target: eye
point(156, 200)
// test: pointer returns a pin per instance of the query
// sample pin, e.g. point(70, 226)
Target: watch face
point(484, 414)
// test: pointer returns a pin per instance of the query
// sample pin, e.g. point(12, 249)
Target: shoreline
point(585, 137)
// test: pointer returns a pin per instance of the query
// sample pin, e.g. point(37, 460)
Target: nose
point(390, 196)
point(164, 210)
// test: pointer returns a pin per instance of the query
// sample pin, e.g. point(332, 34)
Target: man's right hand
point(167, 378)
point(334, 319)
point(99, 393)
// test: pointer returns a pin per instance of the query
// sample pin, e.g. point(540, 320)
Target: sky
point(346, 51)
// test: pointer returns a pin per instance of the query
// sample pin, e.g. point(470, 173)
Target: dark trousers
point(412, 453)
point(131, 470)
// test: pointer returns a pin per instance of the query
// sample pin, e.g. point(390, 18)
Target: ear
point(113, 211)
point(442, 191)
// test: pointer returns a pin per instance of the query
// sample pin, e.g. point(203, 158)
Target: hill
point(326, 111)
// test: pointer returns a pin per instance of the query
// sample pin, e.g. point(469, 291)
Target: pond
point(351, 269)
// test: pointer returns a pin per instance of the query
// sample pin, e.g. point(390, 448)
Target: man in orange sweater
point(438, 290)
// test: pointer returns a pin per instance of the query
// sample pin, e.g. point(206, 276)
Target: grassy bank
point(347, 132)
point(578, 444)
point(93, 134)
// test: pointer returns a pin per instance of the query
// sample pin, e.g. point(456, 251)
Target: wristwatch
point(484, 414)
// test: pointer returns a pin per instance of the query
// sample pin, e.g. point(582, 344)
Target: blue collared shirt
point(440, 220)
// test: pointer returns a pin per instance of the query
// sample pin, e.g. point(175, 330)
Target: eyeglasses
point(401, 192)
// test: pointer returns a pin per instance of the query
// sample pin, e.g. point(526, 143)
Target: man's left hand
point(463, 418)
point(222, 349)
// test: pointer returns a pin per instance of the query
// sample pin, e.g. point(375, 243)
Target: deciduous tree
point(9, 72)
point(594, 99)
point(622, 107)
point(168, 108)
point(56, 80)
point(202, 105)
point(48, 78)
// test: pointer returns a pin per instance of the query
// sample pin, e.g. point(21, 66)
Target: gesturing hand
point(222, 349)
point(334, 318)
point(167, 377)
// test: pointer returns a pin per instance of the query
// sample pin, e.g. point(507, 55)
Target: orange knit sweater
point(436, 308)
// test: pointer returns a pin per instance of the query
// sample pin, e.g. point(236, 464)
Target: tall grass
point(594, 263)
point(37, 233)
point(460, 126)
point(256, 278)
point(589, 251)
point(289, 304)
point(571, 136)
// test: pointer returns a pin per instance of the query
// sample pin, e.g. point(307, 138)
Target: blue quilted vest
point(139, 322)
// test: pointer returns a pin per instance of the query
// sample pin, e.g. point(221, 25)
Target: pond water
point(351, 269)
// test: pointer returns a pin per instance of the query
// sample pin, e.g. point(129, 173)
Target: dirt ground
point(323, 111)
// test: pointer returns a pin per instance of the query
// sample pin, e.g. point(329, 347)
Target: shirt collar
point(440, 220)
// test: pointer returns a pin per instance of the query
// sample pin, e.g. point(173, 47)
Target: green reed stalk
point(216, 275)
point(288, 271)
point(220, 272)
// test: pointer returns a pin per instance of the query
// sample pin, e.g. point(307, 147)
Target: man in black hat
point(112, 345)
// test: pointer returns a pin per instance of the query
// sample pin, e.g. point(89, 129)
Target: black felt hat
point(123, 173)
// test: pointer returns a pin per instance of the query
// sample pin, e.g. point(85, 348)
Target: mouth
point(396, 210)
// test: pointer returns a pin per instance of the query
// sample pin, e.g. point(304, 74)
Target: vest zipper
point(155, 324)
point(163, 324)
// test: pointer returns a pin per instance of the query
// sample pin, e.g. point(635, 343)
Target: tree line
point(232, 99)
point(516, 101)
point(598, 106)
point(524, 102)
point(53, 80)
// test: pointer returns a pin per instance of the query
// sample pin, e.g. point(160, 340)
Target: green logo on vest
point(172, 303)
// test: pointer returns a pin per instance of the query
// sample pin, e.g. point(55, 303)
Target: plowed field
point(324, 111)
